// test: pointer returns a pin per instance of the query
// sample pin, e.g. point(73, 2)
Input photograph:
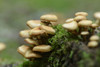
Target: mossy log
point(68, 50)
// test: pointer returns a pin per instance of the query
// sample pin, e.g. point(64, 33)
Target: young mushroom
point(81, 14)
point(22, 49)
point(71, 26)
point(48, 18)
point(24, 33)
point(33, 23)
point(97, 16)
point(42, 48)
point(94, 38)
point(93, 44)
point(31, 41)
point(2, 46)
point(84, 34)
point(47, 29)
point(29, 54)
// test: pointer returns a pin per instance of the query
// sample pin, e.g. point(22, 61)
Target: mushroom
point(81, 14)
point(2, 46)
point(48, 18)
point(33, 23)
point(94, 38)
point(69, 20)
point(85, 23)
point(84, 33)
point(71, 25)
point(94, 25)
point(24, 33)
point(42, 48)
point(29, 54)
point(79, 18)
point(31, 41)
point(35, 32)
point(97, 16)
point(47, 29)
point(92, 44)
point(22, 49)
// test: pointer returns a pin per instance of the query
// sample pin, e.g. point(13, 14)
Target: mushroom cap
point(71, 26)
point(42, 48)
point(84, 33)
point(33, 23)
point(2, 46)
point(94, 38)
point(94, 25)
point(31, 41)
point(93, 44)
point(81, 14)
point(97, 15)
point(29, 54)
point(85, 23)
point(47, 29)
point(35, 32)
point(24, 33)
point(49, 18)
point(79, 18)
point(69, 20)
point(22, 49)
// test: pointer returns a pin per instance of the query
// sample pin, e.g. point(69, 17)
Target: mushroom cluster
point(36, 36)
point(82, 24)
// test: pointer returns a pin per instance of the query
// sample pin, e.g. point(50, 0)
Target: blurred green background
point(15, 13)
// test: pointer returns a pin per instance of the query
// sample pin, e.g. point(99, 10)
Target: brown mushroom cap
point(2, 46)
point(35, 32)
point(69, 20)
point(42, 48)
point(94, 25)
point(71, 26)
point(22, 49)
point(31, 41)
point(29, 54)
point(94, 38)
point(84, 33)
point(49, 18)
point(93, 44)
point(97, 15)
point(81, 14)
point(33, 23)
point(85, 23)
point(24, 33)
point(79, 18)
point(47, 29)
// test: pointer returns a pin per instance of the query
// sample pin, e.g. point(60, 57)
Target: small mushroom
point(47, 29)
point(48, 18)
point(94, 25)
point(2, 46)
point(35, 32)
point(29, 54)
point(81, 14)
point(42, 48)
point(84, 33)
point(31, 41)
point(24, 33)
point(85, 23)
point(71, 26)
point(22, 49)
point(93, 44)
point(33, 23)
point(80, 18)
point(94, 38)
point(69, 20)
point(97, 16)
